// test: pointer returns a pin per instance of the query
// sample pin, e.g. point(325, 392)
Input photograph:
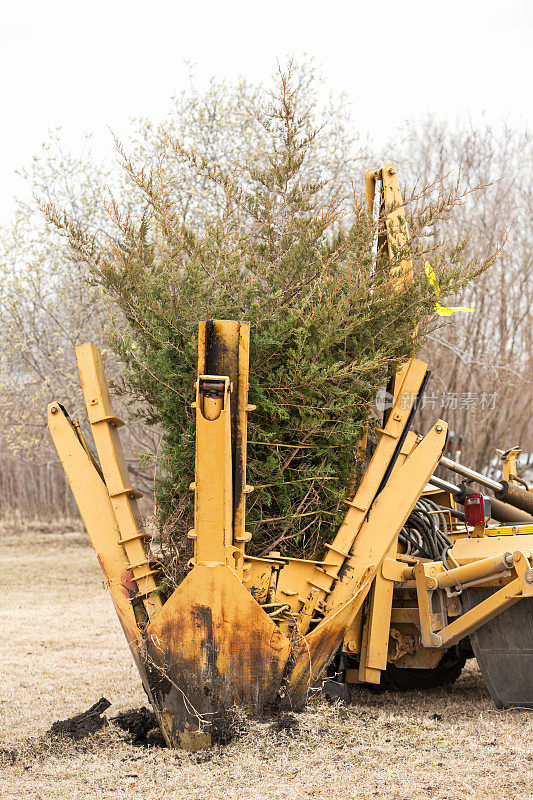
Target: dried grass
point(63, 649)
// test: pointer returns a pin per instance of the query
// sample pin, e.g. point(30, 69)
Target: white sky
point(88, 65)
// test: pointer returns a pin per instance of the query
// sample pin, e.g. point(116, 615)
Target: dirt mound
point(82, 724)
point(226, 726)
point(285, 724)
point(141, 724)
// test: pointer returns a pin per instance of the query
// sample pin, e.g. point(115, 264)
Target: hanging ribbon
point(441, 310)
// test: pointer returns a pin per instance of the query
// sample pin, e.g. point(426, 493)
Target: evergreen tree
point(291, 252)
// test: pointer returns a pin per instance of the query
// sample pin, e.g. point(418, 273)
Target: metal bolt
point(529, 576)
point(351, 646)
point(436, 640)
point(439, 428)
point(54, 410)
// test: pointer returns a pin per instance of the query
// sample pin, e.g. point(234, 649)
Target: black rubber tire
point(444, 674)
point(504, 650)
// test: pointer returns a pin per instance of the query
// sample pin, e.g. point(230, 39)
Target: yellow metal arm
point(123, 497)
point(388, 514)
point(324, 576)
point(393, 233)
point(213, 506)
point(224, 350)
point(375, 537)
point(430, 578)
point(94, 504)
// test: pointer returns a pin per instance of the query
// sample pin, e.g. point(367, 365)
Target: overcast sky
point(90, 65)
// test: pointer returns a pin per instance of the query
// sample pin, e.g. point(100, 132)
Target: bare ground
point(62, 649)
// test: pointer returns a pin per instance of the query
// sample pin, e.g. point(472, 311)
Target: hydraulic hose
point(425, 532)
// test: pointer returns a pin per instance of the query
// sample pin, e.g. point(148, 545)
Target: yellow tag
point(441, 310)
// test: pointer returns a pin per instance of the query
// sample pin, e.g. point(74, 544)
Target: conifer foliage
point(293, 254)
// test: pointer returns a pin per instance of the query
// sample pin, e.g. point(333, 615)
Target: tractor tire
point(413, 680)
point(504, 650)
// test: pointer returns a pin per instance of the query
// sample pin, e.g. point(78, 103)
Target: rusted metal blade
point(315, 652)
point(318, 649)
point(210, 647)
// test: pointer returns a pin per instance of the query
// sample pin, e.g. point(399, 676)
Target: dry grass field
point(62, 650)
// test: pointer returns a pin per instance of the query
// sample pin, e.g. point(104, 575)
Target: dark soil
point(226, 726)
point(8, 755)
point(141, 724)
point(142, 727)
point(82, 724)
point(285, 724)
